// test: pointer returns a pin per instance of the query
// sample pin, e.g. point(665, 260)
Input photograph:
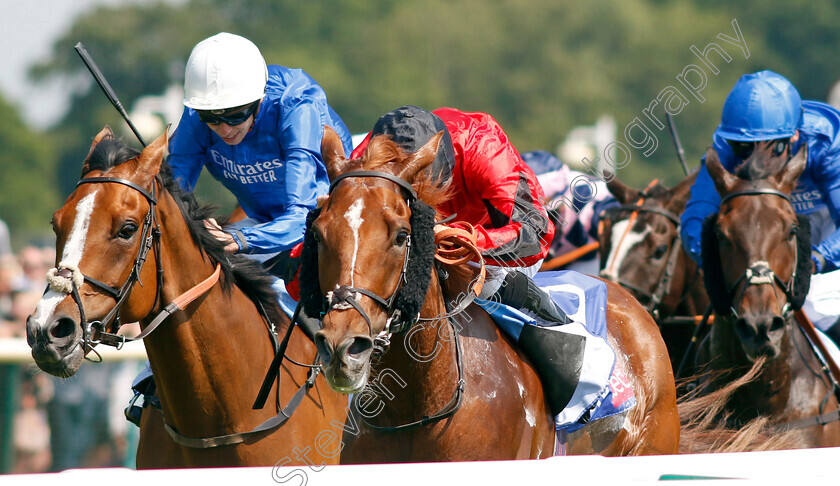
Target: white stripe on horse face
point(354, 219)
point(620, 249)
point(72, 255)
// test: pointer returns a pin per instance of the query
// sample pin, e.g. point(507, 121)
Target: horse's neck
point(210, 349)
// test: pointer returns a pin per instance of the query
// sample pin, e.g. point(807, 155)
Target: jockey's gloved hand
point(817, 262)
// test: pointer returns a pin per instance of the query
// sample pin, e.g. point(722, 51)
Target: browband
point(375, 173)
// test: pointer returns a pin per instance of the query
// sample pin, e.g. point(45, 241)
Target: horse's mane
point(239, 270)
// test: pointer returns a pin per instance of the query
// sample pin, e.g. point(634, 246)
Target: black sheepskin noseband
point(418, 274)
point(716, 287)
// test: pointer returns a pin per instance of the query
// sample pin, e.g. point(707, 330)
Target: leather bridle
point(760, 273)
point(654, 298)
point(106, 329)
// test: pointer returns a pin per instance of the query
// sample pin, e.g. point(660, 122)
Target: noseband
point(760, 273)
point(150, 237)
point(345, 296)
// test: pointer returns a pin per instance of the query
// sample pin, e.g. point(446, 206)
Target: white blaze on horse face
point(354, 219)
point(72, 255)
point(620, 245)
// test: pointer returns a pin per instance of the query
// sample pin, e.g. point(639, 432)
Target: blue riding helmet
point(761, 106)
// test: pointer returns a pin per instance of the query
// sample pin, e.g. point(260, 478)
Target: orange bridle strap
point(457, 245)
point(632, 220)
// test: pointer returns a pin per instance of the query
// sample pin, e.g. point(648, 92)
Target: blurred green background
point(540, 67)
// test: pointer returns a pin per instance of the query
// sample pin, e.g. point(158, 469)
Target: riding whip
point(677, 144)
point(106, 88)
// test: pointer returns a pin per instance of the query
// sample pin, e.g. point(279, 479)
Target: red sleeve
point(499, 193)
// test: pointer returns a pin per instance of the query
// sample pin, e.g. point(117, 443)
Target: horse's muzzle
point(346, 360)
point(760, 335)
point(55, 346)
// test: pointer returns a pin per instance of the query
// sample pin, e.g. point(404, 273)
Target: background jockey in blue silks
point(257, 129)
point(766, 106)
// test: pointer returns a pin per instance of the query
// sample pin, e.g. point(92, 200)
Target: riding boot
point(143, 386)
point(833, 333)
point(557, 357)
point(522, 293)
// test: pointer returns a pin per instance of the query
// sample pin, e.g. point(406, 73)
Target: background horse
point(641, 250)
point(452, 386)
point(757, 269)
point(124, 224)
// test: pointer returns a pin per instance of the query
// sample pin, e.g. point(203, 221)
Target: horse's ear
point(681, 192)
point(724, 181)
point(793, 169)
point(419, 160)
point(104, 134)
point(624, 194)
point(150, 159)
point(332, 151)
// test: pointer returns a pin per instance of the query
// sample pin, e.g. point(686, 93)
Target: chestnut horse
point(126, 223)
point(757, 270)
point(641, 250)
point(452, 386)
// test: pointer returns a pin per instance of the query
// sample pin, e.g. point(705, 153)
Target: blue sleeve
point(704, 201)
point(301, 130)
point(188, 150)
point(827, 177)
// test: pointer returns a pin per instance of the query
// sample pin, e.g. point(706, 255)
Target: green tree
point(27, 190)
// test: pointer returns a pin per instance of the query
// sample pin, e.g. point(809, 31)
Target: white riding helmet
point(224, 71)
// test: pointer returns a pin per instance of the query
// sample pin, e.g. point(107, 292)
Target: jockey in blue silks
point(271, 160)
point(257, 129)
point(766, 106)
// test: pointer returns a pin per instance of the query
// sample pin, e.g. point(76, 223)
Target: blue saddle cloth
point(602, 390)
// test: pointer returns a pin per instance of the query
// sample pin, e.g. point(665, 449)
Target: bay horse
point(757, 270)
point(641, 250)
point(452, 386)
point(132, 247)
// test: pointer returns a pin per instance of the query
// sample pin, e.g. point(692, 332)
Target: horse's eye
point(316, 236)
point(660, 251)
point(792, 233)
point(721, 237)
point(401, 238)
point(127, 231)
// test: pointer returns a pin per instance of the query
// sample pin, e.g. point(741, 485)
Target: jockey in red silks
point(492, 189)
point(496, 192)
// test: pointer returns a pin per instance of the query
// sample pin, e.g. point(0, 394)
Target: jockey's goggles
point(231, 116)
point(743, 150)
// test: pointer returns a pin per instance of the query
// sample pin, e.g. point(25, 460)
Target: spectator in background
point(574, 201)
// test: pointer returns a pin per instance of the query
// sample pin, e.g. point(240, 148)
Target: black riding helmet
point(411, 127)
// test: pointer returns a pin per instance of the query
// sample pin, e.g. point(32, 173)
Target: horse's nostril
point(62, 328)
point(359, 346)
point(777, 324)
point(744, 329)
point(323, 347)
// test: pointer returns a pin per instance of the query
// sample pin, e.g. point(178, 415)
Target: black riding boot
point(833, 333)
point(557, 356)
point(520, 292)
